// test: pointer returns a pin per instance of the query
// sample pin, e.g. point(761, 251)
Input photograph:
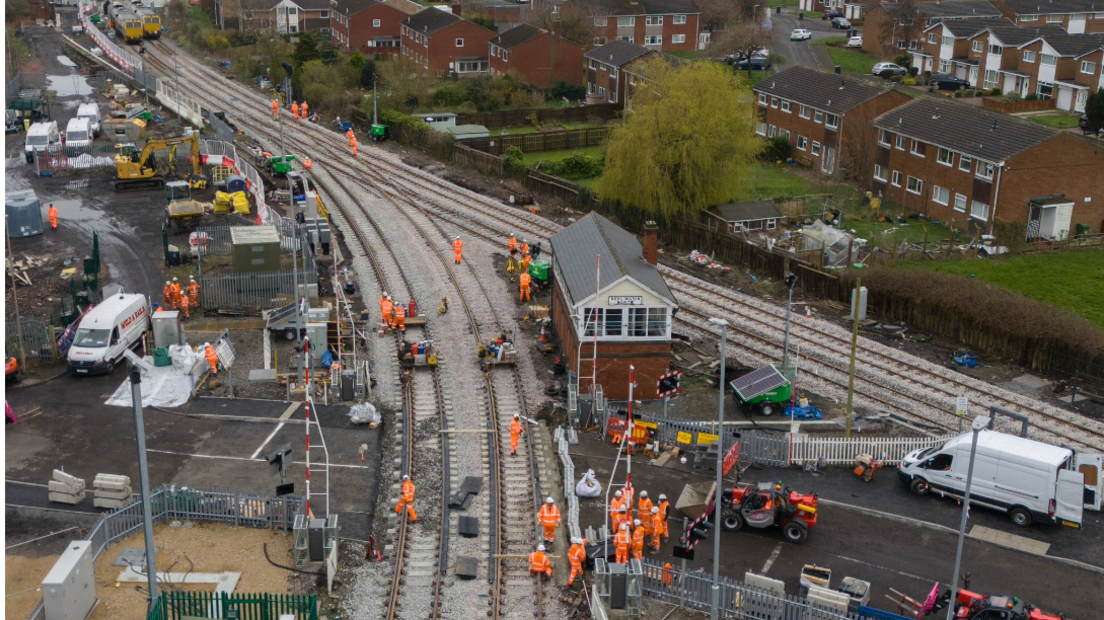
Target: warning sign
point(684, 438)
point(705, 439)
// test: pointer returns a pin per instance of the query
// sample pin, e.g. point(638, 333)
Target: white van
point(107, 330)
point(1027, 479)
point(39, 136)
point(91, 112)
point(78, 133)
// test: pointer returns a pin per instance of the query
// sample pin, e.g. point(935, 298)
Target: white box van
point(91, 112)
point(107, 330)
point(1029, 480)
point(39, 136)
point(78, 133)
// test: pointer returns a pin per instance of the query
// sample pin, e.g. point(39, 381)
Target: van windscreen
point(78, 135)
point(38, 140)
point(91, 337)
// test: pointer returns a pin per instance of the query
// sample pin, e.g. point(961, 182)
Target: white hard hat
point(191, 277)
point(540, 547)
point(577, 541)
point(174, 279)
point(617, 493)
point(643, 494)
point(636, 521)
point(549, 500)
point(167, 283)
point(655, 510)
point(624, 526)
point(406, 477)
point(457, 236)
point(516, 416)
point(206, 344)
point(662, 496)
point(622, 509)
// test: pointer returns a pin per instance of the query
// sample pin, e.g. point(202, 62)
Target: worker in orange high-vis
point(212, 357)
point(400, 317)
point(621, 517)
point(664, 507)
point(511, 245)
point(644, 508)
point(166, 295)
point(294, 110)
point(184, 306)
point(307, 163)
point(457, 250)
point(616, 502)
point(577, 556)
point(354, 145)
point(621, 542)
point(638, 540)
point(549, 518)
point(193, 292)
point(523, 264)
point(304, 109)
point(524, 246)
point(516, 429)
point(387, 309)
point(349, 136)
point(524, 280)
point(659, 524)
point(52, 212)
point(175, 294)
point(539, 564)
point(629, 492)
point(407, 499)
point(275, 108)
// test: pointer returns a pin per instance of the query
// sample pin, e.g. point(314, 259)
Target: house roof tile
point(352, 7)
point(825, 91)
point(968, 129)
point(431, 21)
point(1015, 36)
point(617, 53)
point(1052, 7)
point(1072, 44)
point(646, 7)
point(958, 9)
point(516, 36)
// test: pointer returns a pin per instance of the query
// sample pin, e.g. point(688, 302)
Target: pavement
point(880, 533)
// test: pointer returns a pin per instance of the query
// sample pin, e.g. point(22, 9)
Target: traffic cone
point(808, 312)
point(543, 335)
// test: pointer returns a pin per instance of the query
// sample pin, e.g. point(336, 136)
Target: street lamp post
point(714, 609)
point(979, 424)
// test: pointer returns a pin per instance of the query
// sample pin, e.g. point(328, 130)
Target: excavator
point(139, 170)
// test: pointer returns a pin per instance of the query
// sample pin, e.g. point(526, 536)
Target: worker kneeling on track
point(539, 563)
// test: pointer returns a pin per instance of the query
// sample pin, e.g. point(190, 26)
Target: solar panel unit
point(758, 382)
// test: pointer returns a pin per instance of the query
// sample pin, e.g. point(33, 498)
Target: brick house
point(882, 36)
point(605, 77)
point(1073, 16)
point(996, 50)
point(372, 26)
point(966, 165)
point(1060, 64)
point(441, 41)
point(283, 16)
point(539, 56)
point(945, 46)
point(659, 25)
point(822, 114)
point(505, 13)
point(632, 312)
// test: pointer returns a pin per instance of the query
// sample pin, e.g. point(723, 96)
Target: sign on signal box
point(961, 405)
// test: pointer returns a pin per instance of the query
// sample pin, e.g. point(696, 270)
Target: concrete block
point(65, 478)
point(467, 567)
point(67, 498)
point(469, 527)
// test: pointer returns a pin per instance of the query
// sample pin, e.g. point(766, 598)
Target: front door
point(973, 76)
point(1024, 85)
point(1082, 99)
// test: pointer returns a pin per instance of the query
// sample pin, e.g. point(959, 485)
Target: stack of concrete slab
point(111, 491)
point(66, 489)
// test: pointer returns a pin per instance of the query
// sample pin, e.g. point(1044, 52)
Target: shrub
point(902, 60)
point(776, 149)
point(576, 166)
point(513, 161)
point(909, 81)
point(913, 71)
point(994, 91)
point(1012, 98)
point(449, 95)
point(561, 89)
point(395, 118)
point(931, 89)
point(1032, 97)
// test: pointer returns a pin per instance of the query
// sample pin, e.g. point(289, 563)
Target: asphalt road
point(800, 52)
point(855, 543)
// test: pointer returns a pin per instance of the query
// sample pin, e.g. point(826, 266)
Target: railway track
point(504, 397)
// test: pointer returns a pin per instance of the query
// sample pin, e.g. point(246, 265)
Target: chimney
point(456, 9)
point(651, 238)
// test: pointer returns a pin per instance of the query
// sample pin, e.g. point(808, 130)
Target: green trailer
point(281, 164)
point(765, 389)
point(538, 270)
point(380, 132)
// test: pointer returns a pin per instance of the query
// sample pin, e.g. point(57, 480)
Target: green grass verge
point(756, 76)
point(831, 41)
point(1057, 121)
point(851, 59)
point(769, 181)
point(1073, 280)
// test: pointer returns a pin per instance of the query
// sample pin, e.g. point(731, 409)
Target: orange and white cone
point(808, 312)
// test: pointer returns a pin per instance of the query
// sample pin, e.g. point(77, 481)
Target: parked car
point(841, 23)
point(800, 34)
point(945, 81)
point(1083, 123)
point(855, 41)
point(758, 63)
point(831, 14)
point(888, 69)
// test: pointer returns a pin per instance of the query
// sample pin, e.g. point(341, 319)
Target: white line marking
point(241, 458)
point(286, 415)
point(30, 484)
point(770, 561)
point(925, 580)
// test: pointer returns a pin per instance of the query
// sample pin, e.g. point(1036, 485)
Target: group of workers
point(175, 298)
point(392, 314)
point(297, 111)
point(351, 137)
point(630, 533)
point(521, 265)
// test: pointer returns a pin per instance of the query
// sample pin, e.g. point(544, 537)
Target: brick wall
point(543, 60)
point(640, 30)
point(363, 29)
point(443, 49)
point(1065, 164)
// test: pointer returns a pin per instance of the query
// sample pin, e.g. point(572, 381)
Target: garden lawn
point(851, 59)
point(1072, 280)
point(1057, 121)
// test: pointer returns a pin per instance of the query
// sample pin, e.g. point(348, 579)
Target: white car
point(800, 34)
point(855, 41)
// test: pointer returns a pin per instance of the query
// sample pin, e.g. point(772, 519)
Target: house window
point(653, 20)
point(375, 23)
point(505, 56)
point(917, 148)
point(914, 186)
point(610, 322)
point(653, 39)
point(774, 102)
point(883, 138)
point(1029, 18)
point(991, 78)
point(590, 88)
point(933, 38)
point(601, 22)
point(977, 46)
point(785, 106)
point(896, 179)
point(802, 143)
point(1029, 57)
point(323, 15)
point(627, 39)
point(762, 99)
point(1046, 90)
point(900, 142)
point(647, 322)
point(599, 41)
point(985, 171)
point(678, 38)
point(879, 173)
point(941, 195)
point(679, 19)
point(1054, 19)
point(944, 66)
point(626, 21)
point(773, 131)
point(995, 49)
point(601, 91)
point(1047, 60)
point(803, 111)
point(818, 116)
point(459, 43)
point(761, 128)
point(785, 133)
point(945, 157)
point(832, 121)
point(960, 203)
point(1088, 67)
point(979, 211)
point(471, 66)
point(816, 149)
point(280, 10)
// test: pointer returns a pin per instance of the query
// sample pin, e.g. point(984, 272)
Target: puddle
point(67, 62)
point(68, 85)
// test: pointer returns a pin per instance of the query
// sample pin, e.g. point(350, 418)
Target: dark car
point(944, 81)
point(758, 63)
point(831, 14)
point(1083, 123)
point(841, 22)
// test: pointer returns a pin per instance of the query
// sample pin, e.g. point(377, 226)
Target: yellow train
point(151, 22)
point(127, 25)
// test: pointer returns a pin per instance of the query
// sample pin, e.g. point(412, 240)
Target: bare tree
point(905, 23)
point(575, 22)
point(859, 148)
point(741, 41)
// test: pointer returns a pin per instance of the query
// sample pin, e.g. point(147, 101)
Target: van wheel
point(795, 532)
point(110, 367)
point(919, 486)
point(1021, 517)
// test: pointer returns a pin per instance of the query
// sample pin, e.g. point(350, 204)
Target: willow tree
point(687, 143)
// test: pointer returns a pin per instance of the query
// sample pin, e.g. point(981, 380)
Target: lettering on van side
point(134, 317)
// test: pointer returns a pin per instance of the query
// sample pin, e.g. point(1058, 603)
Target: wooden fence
point(995, 103)
point(540, 142)
point(521, 118)
point(486, 163)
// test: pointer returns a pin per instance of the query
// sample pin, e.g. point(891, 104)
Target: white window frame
point(1053, 19)
point(899, 142)
point(1090, 65)
point(818, 116)
point(977, 47)
point(950, 156)
point(933, 38)
point(919, 185)
point(947, 40)
point(895, 178)
point(803, 111)
point(974, 208)
point(802, 143)
point(653, 20)
point(761, 128)
point(626, 22)
point(323, 15)
point(772, 131)
point(1029, 56)
point(774, 102)
point(1029, 18)
point(678, 19)
point(984, 170)
point(785, 106)
point(883, 138)
point(678, 38)
point(879, 173)
point(935, 195)
point(912, 148)
point(1047, 60)
point(375, 23)
point(816, 149)
point(996, 50)
point(763, 99)
point(459, 42)
point(653, 39)
point(588, 325)
point(960, 200)
point(831, 121)
point(601, 22)
point(965, 159)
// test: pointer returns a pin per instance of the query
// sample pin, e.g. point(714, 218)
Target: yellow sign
point(685, 438)
point(875, 203)
point(651, 425)
point(704, 439)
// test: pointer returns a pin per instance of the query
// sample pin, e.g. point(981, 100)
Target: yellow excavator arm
point(132, 174)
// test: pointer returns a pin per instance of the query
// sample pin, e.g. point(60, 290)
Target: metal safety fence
point(11, 88)
point(56, 158)
point(38, 340)
point(216, 240)
point(223, 131)
point(220, 153)
point(181, 605)
point(126, 61)
point(255, 290)
point(835, 450)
